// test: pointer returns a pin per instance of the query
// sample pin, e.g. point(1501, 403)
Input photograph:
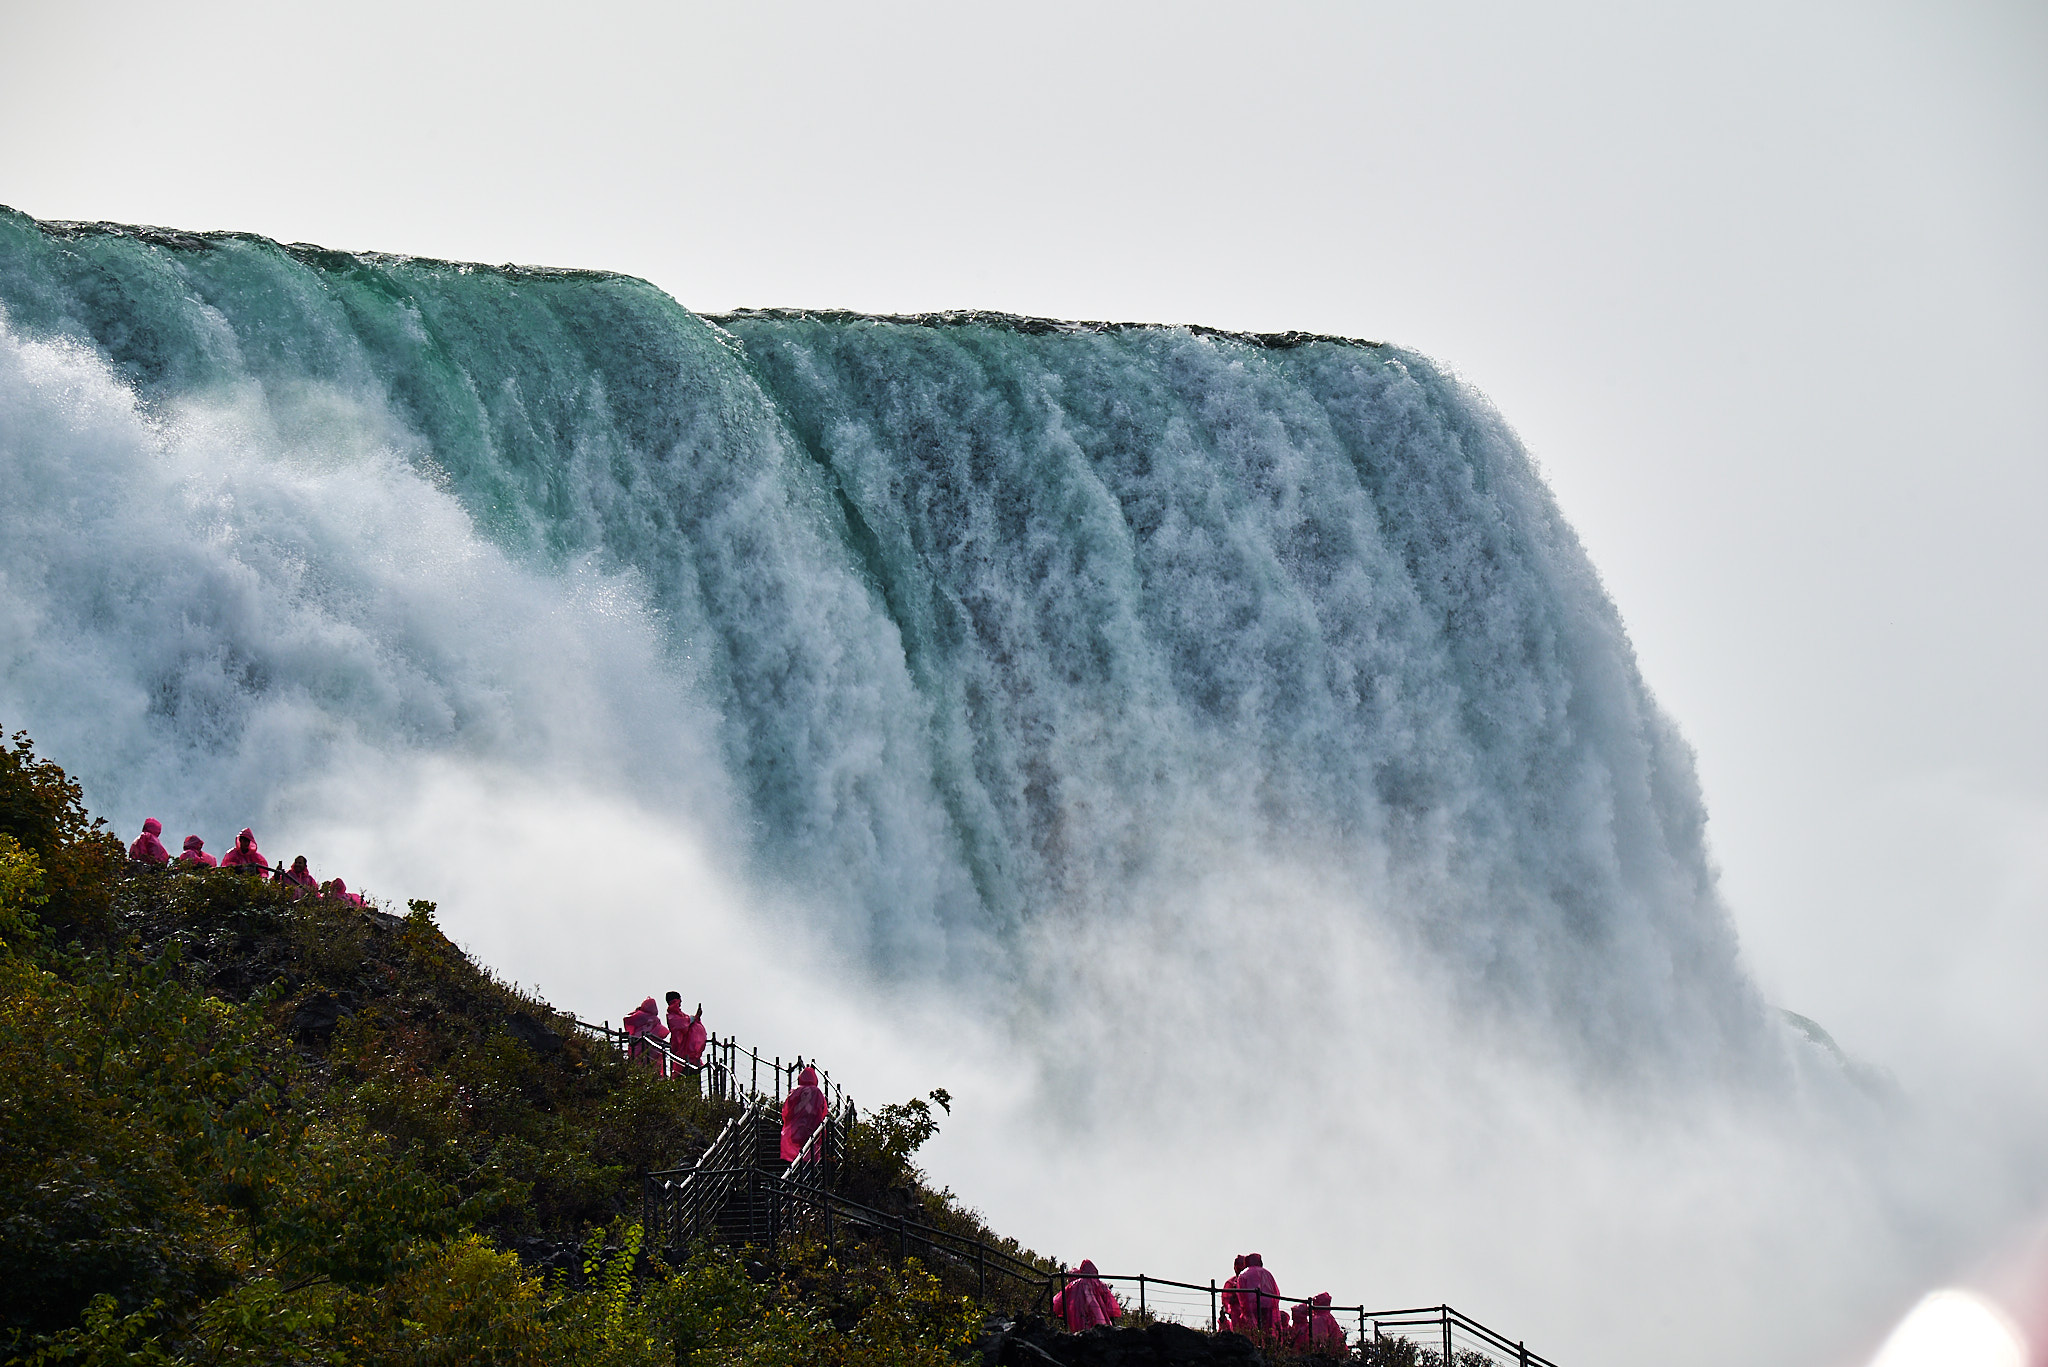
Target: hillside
point(243, 1127)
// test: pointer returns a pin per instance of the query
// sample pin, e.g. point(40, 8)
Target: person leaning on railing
point(299, 877)
point(643, 1023)
point(245, 857)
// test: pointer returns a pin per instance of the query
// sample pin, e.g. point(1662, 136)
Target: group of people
point(683, 1033)
point(1250, 1304)
point(803, 1110)
point(149, 850)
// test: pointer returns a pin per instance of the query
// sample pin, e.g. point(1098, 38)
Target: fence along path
point(1455, 1338)
point(739, 1191)
point(727, 1072)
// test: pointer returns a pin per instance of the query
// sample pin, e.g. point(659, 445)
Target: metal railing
point(727, 1073)
point(778, 1206)
point(1447, 1336)
point(677, 1207)
point(1457, 1339)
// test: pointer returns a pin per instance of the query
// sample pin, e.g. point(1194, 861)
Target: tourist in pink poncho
point(644, 1022)
point(195, 854)
point(802, 1113)
point(1262, 1307)
point(301, 877)
point(686, 1034)
point(1085, 1301)
point(1316, 1330)
point(338, 888)
point(246, 856)
point(147, 849)
point(1236, 1319)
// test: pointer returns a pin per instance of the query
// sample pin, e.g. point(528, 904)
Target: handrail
point(987, 1257)
point(722, 1060)
point(1441, 1317)
point(696, 1194)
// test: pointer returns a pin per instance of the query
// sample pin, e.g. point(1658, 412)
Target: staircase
point(751, 1212)
point(740, 1191)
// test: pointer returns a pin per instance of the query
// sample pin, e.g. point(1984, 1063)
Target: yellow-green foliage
point(21, 892)
point(468, 1303)
point(41, 807)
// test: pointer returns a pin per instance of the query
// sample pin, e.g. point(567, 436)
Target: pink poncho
point(644, 1021)
point(147, 849)
point(1086, 1301)
point(686, 1034)
point(1262, 1311)
point(245, 854)
point(195, 853)
point(802, 1113)
point(1236, 1318)
point(1324, 1334)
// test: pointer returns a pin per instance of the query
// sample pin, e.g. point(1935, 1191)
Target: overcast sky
point(1762, 286)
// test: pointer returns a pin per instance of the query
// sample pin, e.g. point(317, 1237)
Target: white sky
point(1762, 285)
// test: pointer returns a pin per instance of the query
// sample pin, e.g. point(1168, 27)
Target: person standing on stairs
point(802, 1113)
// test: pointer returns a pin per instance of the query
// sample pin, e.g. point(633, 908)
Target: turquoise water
point(950, 624)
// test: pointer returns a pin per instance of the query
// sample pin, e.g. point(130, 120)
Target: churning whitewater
point(949, 629)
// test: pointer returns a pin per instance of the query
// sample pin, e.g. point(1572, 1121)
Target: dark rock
point(533, 1034)
point(314, 1022)
point(550, 1255)
point(1031, 1342)
point(1023, 1353)
point(1228, 1347)
point(1176, 1343)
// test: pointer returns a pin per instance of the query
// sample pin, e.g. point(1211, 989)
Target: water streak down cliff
point(959, 621)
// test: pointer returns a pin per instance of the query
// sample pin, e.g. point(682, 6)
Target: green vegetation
point(239, 1127)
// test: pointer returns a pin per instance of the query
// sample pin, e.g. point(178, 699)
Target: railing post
point(1522, 1354)
point(1141, 1295)
point(1445, 1312)
point(1212, 1305)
